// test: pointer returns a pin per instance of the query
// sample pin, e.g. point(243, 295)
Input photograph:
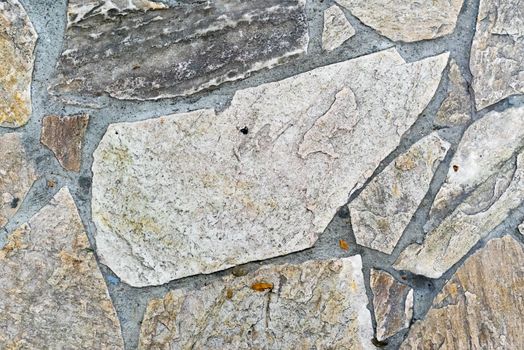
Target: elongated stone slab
point(199, 192)
point(407, 20)
point(380, 214)
point(474, 219)
point(481, 306)
point(16, 175)
point(337, 29)
point(17, 43)
point(52, 294)
point(147, 50)
point(316, 304)
point(496, 60)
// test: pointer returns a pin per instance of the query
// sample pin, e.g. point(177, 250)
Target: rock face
point(199, 192)
point(52, 295)
point(496, 53)
point(65, 136)
point(317, 304)
point(146, 50)
point(17, 42)
point(382, 211)
point(16, 175)
point(409, 20)
point(481, 307)
point(337, 29)
point(392, 302)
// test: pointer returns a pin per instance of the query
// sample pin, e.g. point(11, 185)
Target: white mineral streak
point(337, 29)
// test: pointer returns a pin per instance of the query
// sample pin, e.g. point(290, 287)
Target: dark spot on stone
point(84, 183)
point(378, 343)
point(14, 202)
point(343, 212)
point(455, 168)
point(244, 130)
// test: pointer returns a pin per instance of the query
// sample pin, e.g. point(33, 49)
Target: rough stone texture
point(16, 175)
point(337, 29)
point(17, 42)
point(52, 295)
point(521, 228)
point(474, 219)
point(317, 304)
point(496, 60)
point(199, 192)
point(407, 20)
point(384, 208)
point(392, 302)
point(481, 307)
point(456, 108)
point(147, 50)
point(65, 136)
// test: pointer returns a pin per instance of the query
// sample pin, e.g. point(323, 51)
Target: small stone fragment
point(316, 304)
point(380, 214)
point(496, 60)
point(17, 44)
point(481, 307)
point(16, 175)
point(262, 286)
point(343, 244)
point(521, 228)
point(407, 20)
point(337, 29)
point(65, 136)
point(52, 294)
point(392, 302)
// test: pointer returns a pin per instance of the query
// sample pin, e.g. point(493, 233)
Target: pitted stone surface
point(496, 60)
point(52, 294)
point(337, 29)
point(455, 110)
point(17, 43)
point(147, 50)
point(316, 304)
point(200, 192)
point(380, 214)
point(407, 20)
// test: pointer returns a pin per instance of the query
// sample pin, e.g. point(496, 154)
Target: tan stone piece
point(337, 29)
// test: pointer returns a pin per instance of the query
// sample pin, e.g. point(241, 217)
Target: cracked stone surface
point(161, 217)
point(384, 208)
point(52, 294)
point(496, 61)
point(481, 307)
point(407, 20)
point(16, 175)
point(392, 303)
point(337, 29)
point(149, 50)
point(17, 43)
point(316, 304)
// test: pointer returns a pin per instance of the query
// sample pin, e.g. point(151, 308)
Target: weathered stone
point(147, 50)
point(380, 214)
point(486, 145)
point(316, 304)
point(16, 175)
point(337, 29)
point(64, 136)
point(52, 295)
point(392, 302)
point(456, 108)
point(199, 192)
point(407, 20)
point(17, 43)
point(496, 60)
point(481, 307)
point(521, 228)
point(482, 211)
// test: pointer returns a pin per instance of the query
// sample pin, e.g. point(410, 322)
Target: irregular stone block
point(496, 59)
point(407, 20)
point(199, 192)
point(337, 29)
point(64, 136)
point(380, 214)
point(316, 304)
point(481, 307)
point(17, 44)
point(392, 302)
point(52, 295)
point(147, 50)
point(474, 219)
point(16, 175)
